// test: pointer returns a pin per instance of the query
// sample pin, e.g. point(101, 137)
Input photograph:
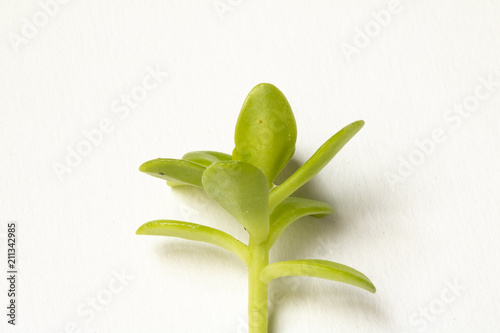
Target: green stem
point(257, 290)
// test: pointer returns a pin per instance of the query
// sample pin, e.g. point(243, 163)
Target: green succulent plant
point(243, 184)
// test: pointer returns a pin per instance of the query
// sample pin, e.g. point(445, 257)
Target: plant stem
point(257, 290)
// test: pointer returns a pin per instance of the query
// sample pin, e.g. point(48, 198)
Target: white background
point(428, 240)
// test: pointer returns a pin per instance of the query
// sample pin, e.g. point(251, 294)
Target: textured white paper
point(415, 193)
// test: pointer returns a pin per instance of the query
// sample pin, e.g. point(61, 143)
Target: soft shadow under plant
point(243, 184)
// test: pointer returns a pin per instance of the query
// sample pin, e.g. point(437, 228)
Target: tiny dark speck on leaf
point(261, 121)
point(161, 173)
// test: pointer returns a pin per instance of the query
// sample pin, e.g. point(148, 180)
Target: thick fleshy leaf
point(266, 131)
point(206, 157)
point(241, 189)
point(195, 232)
point(314, 165)
point(292, 209)
point(178, 171)
point(317, 268)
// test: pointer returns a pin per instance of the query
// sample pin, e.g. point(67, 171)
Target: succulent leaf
point(317, 268)
point(178, 171)
point(241, 189)
point(205, 157)
point(195, 232)
point(266, 131)
point(315, 164)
